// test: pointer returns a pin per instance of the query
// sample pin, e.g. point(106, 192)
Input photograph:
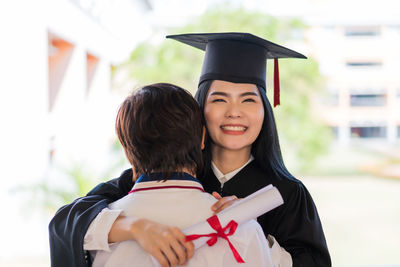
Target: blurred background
point(66, 65)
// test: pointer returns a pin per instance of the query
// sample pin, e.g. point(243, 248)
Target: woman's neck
point(229, 160)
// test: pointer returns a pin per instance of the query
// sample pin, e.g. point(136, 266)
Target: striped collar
point(155, 181)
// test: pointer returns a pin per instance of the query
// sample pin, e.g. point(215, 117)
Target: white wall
point(82, 124)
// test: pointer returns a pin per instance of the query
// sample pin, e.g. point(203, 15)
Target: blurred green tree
point(302, 136)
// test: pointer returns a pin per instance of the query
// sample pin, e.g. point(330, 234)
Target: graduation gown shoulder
point(295, 224)
point(68, 227)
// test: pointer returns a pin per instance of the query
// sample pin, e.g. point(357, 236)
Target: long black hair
point(265, 149)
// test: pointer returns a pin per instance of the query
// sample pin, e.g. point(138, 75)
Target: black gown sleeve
point(297, 227)
point(68, 227)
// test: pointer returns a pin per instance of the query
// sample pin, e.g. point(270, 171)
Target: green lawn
point(361, 218)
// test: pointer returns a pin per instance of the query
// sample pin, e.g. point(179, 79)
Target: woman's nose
point(233, 111)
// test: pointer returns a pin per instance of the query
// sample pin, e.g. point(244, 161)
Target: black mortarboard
point(237, 57)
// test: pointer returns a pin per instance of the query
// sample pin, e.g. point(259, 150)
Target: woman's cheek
point(210, 121)
point(211, 127)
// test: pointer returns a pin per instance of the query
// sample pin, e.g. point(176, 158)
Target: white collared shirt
point(182, 204)
point(96, 237)
point(223, 178)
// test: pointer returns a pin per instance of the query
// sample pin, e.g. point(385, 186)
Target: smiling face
point(234, 115)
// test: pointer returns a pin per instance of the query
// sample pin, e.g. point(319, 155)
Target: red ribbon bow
point(214, 222)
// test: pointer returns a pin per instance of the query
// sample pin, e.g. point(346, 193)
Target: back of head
point(160, 129)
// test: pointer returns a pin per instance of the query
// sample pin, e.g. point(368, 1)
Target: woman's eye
point(249, 100)
point(217, 100)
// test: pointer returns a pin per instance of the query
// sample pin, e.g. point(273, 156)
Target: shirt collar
point(155, 181)
point(157, 177)
point(223, 178)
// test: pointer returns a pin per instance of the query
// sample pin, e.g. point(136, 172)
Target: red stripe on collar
point(166, 187)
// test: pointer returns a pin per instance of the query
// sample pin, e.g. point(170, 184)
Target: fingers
point(169, 254)
point(166, 244)
point(188, 247)
point(160, 257)
point(216, 195)
point(176, 244)
point(223, 203)
point(175, 248)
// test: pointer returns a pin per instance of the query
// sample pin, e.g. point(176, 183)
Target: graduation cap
point(237, 57)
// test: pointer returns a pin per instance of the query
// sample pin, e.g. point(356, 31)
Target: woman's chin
point(235, 147)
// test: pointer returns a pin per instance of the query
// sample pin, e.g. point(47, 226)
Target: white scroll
point(241, 211)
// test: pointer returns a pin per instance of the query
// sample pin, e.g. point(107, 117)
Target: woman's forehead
point(230, 88)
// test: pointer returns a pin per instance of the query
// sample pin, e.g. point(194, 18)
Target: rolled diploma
point(243, 210)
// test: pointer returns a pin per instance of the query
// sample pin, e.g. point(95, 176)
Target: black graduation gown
point(295, 224)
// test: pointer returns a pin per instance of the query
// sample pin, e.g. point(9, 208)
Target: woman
point(241, 127)
point(242, 155)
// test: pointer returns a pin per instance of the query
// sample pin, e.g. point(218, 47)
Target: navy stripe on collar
point(183, 176)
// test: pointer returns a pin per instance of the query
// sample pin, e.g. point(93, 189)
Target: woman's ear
point(203, 138)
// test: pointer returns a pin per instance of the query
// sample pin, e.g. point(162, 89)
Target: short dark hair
point(160, 128)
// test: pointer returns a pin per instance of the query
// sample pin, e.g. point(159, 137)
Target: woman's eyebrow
point(219, 93)
point(249, 94)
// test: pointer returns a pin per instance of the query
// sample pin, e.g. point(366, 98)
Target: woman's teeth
point(233, 128)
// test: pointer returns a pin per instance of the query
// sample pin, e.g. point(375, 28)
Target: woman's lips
point(233, 129)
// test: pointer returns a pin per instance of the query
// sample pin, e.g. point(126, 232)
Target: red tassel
point(276, 84)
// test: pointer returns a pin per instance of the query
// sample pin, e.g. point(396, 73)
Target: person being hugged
point(160, 128)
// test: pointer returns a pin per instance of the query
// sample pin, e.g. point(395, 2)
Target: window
point(91, 66)
point(368, 132)
point(398, 131)
point(367, 100)
point(60, 52)
point(363, 64)
point(362, 31)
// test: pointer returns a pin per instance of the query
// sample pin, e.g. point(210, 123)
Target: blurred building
point(360, 58)
point(55, 77)
point(57, 107)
